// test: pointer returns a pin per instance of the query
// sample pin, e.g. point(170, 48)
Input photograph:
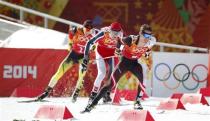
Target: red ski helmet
point(115, 26)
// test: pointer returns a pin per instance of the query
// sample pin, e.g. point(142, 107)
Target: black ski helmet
point(88, 24)
point(145, 29)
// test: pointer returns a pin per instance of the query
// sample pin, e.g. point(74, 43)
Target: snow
point(11, 109)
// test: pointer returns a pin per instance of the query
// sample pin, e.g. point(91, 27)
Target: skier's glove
point(73, 30)
point(147, 53)
point(117, 52)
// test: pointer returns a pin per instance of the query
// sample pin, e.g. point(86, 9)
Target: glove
point(147, 53)
point(117, 52)
point(70, 44)
point(73, 29)
point(84, 64)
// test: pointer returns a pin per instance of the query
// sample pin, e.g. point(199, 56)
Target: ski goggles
point(147, 36)
point(115, 33)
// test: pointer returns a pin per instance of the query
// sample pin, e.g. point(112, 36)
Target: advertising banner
point(27, 68)
point(178, 73)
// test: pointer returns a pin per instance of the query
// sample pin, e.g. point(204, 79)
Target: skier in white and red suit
point(106, 41)
point(134, 48)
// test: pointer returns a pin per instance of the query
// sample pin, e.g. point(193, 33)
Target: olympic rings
point(166, 78)
point(192, 88)
point(172, 88)
point(188, 72)
point(176, 74)
point(193, 69)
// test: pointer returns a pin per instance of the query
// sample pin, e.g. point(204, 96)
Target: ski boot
point(89, 107)
point(44, 94)
point(92, 96)
point(107, 98)
point(137, 105)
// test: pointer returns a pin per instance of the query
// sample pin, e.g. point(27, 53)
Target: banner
point(27, 68)
point(178, 73)
point(31, 69)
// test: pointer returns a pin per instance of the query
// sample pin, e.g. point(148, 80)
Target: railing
point(47, 17)
point(190, 48)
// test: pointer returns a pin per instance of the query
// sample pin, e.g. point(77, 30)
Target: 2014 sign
point(19, 71)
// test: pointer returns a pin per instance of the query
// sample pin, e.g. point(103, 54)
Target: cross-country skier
point(106, 40)
point(78, 38)
point(134, 47)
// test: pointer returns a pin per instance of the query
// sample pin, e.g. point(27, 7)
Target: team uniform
point(133, 49)
point(129, 62)
point(78, 38)
point(106, 41)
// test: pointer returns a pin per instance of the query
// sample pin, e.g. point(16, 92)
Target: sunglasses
point(147, 36)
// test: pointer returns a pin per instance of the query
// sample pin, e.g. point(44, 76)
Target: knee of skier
point(101, 73)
